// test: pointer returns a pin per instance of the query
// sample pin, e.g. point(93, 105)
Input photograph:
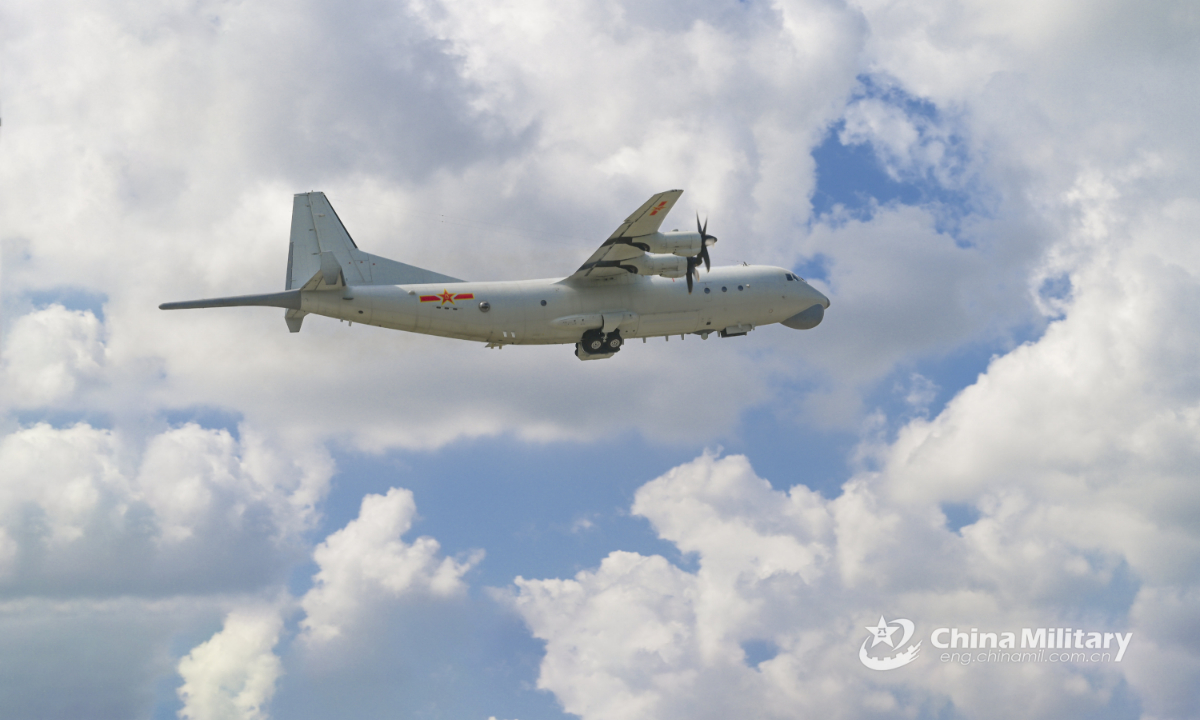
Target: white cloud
point(189, 474)
point(921, 391)
point(903, 289)
point(153, 157)
point(367, 561)
point(48, 353)
point(1078, 453)
point(113, 546)
point(84, 510)
point(638, 637)
point(205, 117)
point(232, 675)
point(615, 636)
point(1075, 450)
point(62, 472)
point(910, 146)
point(535, 131)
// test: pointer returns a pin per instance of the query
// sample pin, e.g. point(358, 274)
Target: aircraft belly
point(668, 323)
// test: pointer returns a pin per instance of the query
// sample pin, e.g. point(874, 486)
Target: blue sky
point(994, 426)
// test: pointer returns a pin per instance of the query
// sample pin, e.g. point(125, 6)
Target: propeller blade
point(692, 262)
point(705, 241)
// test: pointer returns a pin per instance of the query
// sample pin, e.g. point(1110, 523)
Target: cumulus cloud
point(232, 675)
point(974, 291)
point(49, 353)
point(190, 473)
point(367, 560)
point(639, 637)
point(83, 510)
point(910, 145)
point(536, 153)
point(1076, 452)
point(153, 158)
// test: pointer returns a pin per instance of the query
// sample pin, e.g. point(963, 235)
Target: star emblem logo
point(447, 297)
point(882, 633)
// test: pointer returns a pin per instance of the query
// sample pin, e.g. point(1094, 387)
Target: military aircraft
point(626, 289)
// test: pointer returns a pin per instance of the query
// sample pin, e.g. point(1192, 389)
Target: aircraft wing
point(644, 221)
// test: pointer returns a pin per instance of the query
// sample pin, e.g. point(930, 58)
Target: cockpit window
point(789, 277)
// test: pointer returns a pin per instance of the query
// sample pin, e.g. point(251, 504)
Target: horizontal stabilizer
point(289, 299)
point(392, 272)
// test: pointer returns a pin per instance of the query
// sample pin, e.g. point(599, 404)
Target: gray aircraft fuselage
point(543, 312)
point(639, 283)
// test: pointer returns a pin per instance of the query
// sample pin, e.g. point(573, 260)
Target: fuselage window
point(724, 289)
point(739, 287)
point(707, 291)
point(543, 303)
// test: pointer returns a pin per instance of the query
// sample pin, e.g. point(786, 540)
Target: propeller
point(694, 262)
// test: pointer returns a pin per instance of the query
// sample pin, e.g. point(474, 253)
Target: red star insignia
point(447, 297)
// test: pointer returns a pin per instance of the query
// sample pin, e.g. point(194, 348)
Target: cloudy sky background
point(997, 425)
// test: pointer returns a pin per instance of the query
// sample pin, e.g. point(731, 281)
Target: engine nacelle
point(668, 266)
point(683, 244)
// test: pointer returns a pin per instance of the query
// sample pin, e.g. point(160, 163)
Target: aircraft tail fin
point(322, 255)
point(320, 244)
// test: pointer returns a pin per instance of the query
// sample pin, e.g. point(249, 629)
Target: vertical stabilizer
point(322, 258)
point(323, 255)
point(320, 243)
point(317, 231)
